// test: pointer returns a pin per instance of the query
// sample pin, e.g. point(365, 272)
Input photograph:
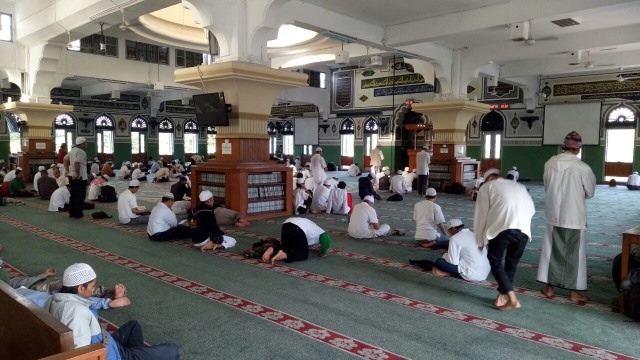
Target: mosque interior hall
point(241, 95)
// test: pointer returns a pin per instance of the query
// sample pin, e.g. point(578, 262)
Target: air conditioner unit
point(342, 57)
point(575, 57)
point(158, 86)
point(376, 60)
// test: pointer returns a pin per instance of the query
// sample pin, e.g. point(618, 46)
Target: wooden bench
point(29, 332)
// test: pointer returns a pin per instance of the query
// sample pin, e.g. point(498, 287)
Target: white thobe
point(338, 203)
point(317, 168)
point(397, 184)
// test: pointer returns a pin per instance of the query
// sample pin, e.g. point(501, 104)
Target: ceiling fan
point(588, 64)
point(527, 37)
point(123, 26)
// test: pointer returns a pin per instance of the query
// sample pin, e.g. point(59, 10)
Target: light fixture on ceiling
point(123, 26)
point(103, 45)
point(69, 44)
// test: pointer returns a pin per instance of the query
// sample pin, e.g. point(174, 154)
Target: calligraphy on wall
point(399, 90)
point(392, 81)
point(343, 89)
point(502, 91)
point(597, 87)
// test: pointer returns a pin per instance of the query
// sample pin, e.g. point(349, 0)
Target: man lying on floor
point(298, 235)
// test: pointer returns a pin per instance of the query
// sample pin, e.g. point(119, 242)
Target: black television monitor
point(211, 109)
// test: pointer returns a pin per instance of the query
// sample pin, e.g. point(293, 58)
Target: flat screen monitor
point(211, 109)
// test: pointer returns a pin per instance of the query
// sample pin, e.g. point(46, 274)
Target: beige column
point(242, 148)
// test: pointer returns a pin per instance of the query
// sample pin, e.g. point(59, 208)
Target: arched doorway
point(492, 129)
point(347, 142)
point(105, 128)
point(211, 142)
point(370, 140)
point(139, 139)
point(620, 125)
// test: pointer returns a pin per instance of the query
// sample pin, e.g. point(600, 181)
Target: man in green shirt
point(18, 188)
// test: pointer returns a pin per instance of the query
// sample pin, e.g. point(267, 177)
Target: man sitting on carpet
point(339, 200)
point(163, 224)
point(162, 175)
point(297, 236)
point(429, 218)
point(206, 235)
point(96, 185)
point(71, 306)
point(301, 197)
point(364, 224)
point(365, 187)
point(229, 217)
point(179, 191)
point(354, 170)
point(108, 169)
point(128, 210)
point(397, 184)
point(463, 259)
point(633, 182)
point(60, 199)
point(321, 197)
point(18, 188)
point(46, 185)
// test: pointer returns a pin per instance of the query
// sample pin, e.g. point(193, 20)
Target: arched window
point(190, 137)
point(138, 135)
point(347, 138)
point(621, 133)
point(370, 135)
point(64, 126)
point(165, 136)
point(211, 140)
point(287, 138)
point(272, 131)
point(104, 133)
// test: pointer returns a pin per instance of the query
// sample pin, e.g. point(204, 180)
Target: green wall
point(529, 159)
point(4, 150)
point(594, 157)
point(636, 158)
point(331, 154)
point(152, 150)
point(178, 151)
point(474, 152)
point(122, 152)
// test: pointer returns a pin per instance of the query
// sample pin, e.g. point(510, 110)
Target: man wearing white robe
point(338, 201)
point(321, 197)
point(633, 182)
point(568, 182)
point(397, 184)
point(354, 170)
point(408, 179)
point(318, 167)
point(376, 156)
point(423, 159)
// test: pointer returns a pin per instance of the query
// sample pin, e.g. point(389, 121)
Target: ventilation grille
point(566, 22)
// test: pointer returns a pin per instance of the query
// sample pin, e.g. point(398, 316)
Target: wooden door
point(346, 161)
point(617, 169)
point(487, 164)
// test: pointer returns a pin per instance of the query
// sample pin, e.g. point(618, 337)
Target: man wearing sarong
point(568, 181)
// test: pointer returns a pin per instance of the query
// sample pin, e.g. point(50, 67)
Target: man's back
point(365, 187)
point(427, 216)
point(568, 181)
point(361, 217)
point(397, 184)
point(463, 251)
point(422, 163)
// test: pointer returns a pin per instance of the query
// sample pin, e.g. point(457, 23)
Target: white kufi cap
point(205, 195)
point(78, 274)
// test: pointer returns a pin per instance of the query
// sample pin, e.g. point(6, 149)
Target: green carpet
point(388, 306)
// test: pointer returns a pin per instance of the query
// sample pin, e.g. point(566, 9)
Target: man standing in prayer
point(568, 182)
point(376, 157)
point(422, 169)
point(502, 221)
point(78, 174)
point(318, 167)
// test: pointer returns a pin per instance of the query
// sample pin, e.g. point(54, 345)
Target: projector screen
point(561, 119)
point(306, 131)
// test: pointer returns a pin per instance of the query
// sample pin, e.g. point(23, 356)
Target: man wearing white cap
point(128, 210)
point(72, 307)
point(11, 175)
point(301, 197)
point(568, 182)
point(96, 186)
point(429, 219)
point(95, 167)
point(78, 174)
point(423, 159)
point(364, 224)
point(136, 173)
point(46, 185)
point(125, 171)
point(321, 197)
point(397, 184)
point(205, 234)
point(502, 221)
point(163, 223)
point(463, 259)
point(633, 182)
point(37, 176)
point(297, 236)
point(318, 167)
point(408, 179)
point(513, 174)
point(376, 156)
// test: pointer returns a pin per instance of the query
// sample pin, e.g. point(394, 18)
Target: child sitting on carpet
point(72, 307)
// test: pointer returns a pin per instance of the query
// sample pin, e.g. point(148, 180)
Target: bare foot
point(120, 291)
point(548, 292)
point(577, 297)
point(427, 244)
point(510, 305)
point(210, 246)
point(500, 300)
point(281, 255)
point(439, 272)
point(267, 255)
point(119, 302)
point(49, 272)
